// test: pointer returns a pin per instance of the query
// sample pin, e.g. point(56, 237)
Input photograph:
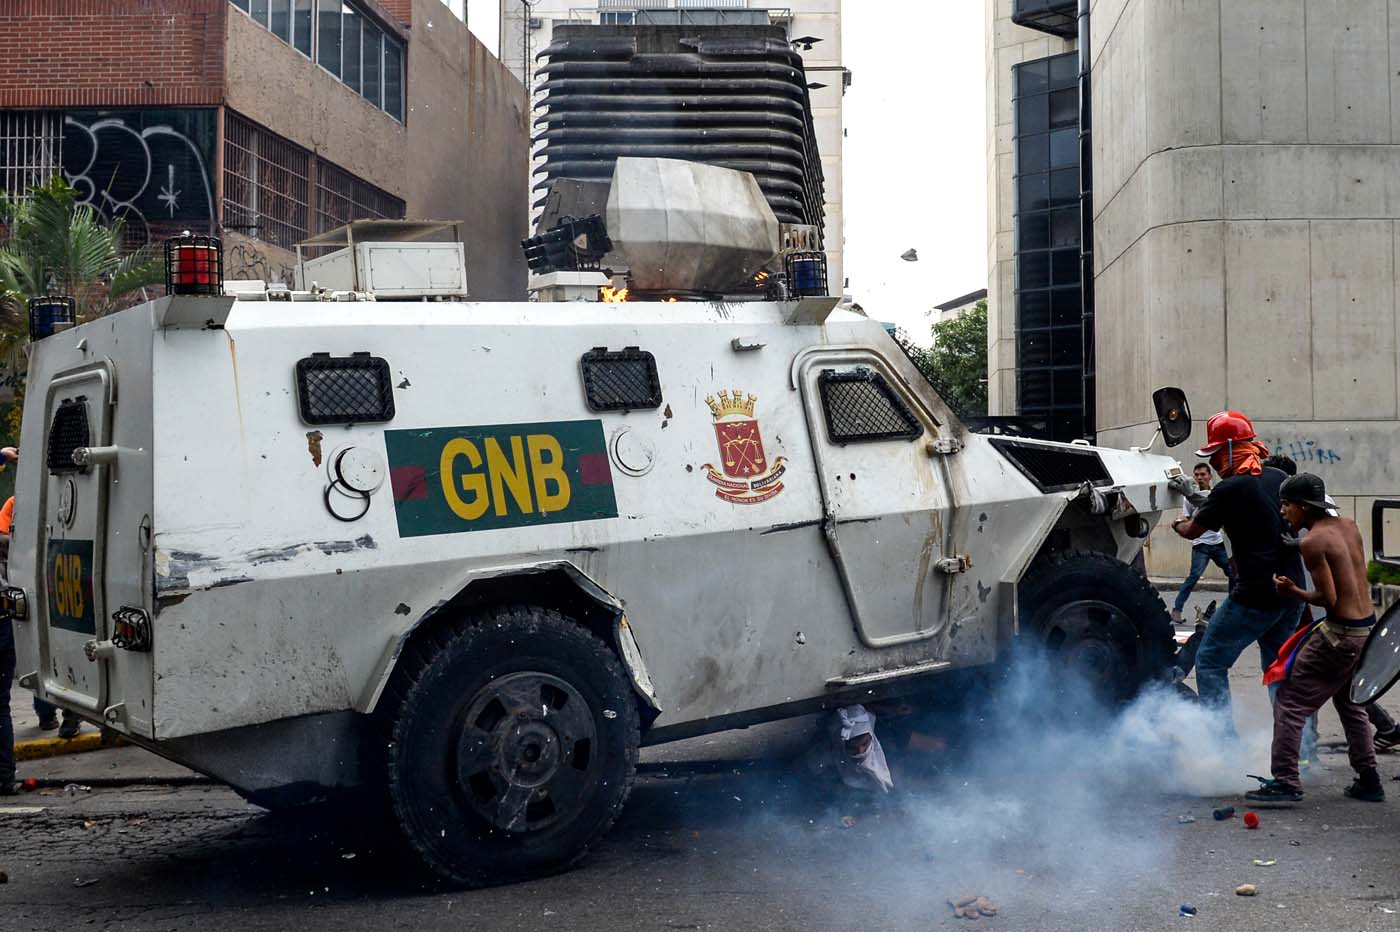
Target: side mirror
point(1173, 415)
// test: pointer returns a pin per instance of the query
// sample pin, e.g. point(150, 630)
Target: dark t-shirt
point(1246, 508)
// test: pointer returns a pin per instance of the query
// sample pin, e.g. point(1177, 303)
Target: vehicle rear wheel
point(512, 745)
point(1098, 620)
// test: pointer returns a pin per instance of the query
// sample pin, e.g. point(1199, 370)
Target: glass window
point(1032, 79)
point(1034, 270)
point(350, 49)
point(280, 21)
point(241, 4)
point(328, 35)
point(1033, 231)
point(1065, 267)
point(1064, 71)
point(1064, 108)
point(258, 10)
point(371, 84)
point(1035, 347)
point(393, 79)
point(1064, 227)
point(1064, 187)
point(1066, 306)
point(1064, 147)
point(1032, 115)
point(1069, 386)
point(1034, 192)
point(1033, 154)
point(1035, 389)
point(1035, 309)
point(301, 26)
point(1068, 347)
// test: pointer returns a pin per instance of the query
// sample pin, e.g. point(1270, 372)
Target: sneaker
point(70, 727)
point(1275, 791)
point(48, 724)
point(1366, 788)
point(1388, 740)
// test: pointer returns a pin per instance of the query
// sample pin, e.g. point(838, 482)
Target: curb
point(38, 748)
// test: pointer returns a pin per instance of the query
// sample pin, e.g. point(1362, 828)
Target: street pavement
point(1061, 829)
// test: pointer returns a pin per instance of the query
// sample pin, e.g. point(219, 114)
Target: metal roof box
point(392, 259)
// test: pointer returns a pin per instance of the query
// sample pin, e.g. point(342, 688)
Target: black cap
point(1305, 489)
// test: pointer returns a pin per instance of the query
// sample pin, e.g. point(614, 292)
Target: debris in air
point(910, 255)
point(1223, 813)
point(972, 907)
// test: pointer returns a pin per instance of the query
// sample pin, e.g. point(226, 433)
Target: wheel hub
point(1095, 640)
point(525, 751)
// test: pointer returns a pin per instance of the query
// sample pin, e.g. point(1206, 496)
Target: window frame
point(874, 377)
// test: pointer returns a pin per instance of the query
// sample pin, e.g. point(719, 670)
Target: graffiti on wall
point(148, 168)
point(1305, 451)
point(248, 259)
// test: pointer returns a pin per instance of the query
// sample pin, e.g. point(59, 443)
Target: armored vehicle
point(466, 558)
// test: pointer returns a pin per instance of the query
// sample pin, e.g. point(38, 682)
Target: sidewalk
point(55, 761)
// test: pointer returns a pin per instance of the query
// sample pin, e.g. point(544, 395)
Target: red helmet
point(1224, 428)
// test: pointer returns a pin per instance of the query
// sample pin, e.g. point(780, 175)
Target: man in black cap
point(1322, 664)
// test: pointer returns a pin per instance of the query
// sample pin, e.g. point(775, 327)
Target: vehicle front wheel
point(512, 745)
point(1099, 621)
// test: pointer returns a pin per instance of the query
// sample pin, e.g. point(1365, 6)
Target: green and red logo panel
point(447, 480)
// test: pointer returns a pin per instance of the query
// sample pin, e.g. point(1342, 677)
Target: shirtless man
point(1322, 667)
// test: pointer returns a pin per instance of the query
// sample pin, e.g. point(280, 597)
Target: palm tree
point(55, 242)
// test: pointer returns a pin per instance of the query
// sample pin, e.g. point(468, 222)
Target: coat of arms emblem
point(747, 476)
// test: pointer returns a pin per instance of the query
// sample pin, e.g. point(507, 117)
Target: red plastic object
point(31, 783)
point(1251, 820)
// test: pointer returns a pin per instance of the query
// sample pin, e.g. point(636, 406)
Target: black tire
point(512, 745)
point(1098, 619)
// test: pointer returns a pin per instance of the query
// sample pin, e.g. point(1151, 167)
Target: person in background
point(1325, 656)
point(1207, 549)
point(1387, 729)
point(47, 712)
point(1245, 504)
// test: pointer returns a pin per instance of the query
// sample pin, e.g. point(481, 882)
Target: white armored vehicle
point(466, 557)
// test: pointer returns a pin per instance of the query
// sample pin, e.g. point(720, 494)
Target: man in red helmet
point(1246, 506)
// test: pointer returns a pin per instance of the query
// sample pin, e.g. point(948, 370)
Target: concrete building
point(814, 26)
point(952, 310)
point(1243, 237)
point(268, 121)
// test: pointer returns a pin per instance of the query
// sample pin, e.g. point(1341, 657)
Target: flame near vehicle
point(612, 295)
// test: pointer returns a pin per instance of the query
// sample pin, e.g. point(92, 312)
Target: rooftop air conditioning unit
point(388, 258)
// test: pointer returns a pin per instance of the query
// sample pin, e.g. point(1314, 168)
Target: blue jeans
point(1234, 628)
point(1202, 555)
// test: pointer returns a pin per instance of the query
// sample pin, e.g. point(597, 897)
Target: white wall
point(1246, 235)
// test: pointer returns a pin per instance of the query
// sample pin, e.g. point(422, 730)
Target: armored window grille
point(621, 380)
point(341, 197)
point(267, 184)
point(1054, 469)
point(860, 405)
point(68, 432)
point(344, 389)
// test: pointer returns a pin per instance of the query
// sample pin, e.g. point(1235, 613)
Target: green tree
point(51, 240)
point(956, 364)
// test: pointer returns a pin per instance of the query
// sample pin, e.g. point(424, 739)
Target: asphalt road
point(1063, 825)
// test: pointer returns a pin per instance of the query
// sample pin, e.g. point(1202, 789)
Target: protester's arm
point(1188, 528)
point(1325, 593)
